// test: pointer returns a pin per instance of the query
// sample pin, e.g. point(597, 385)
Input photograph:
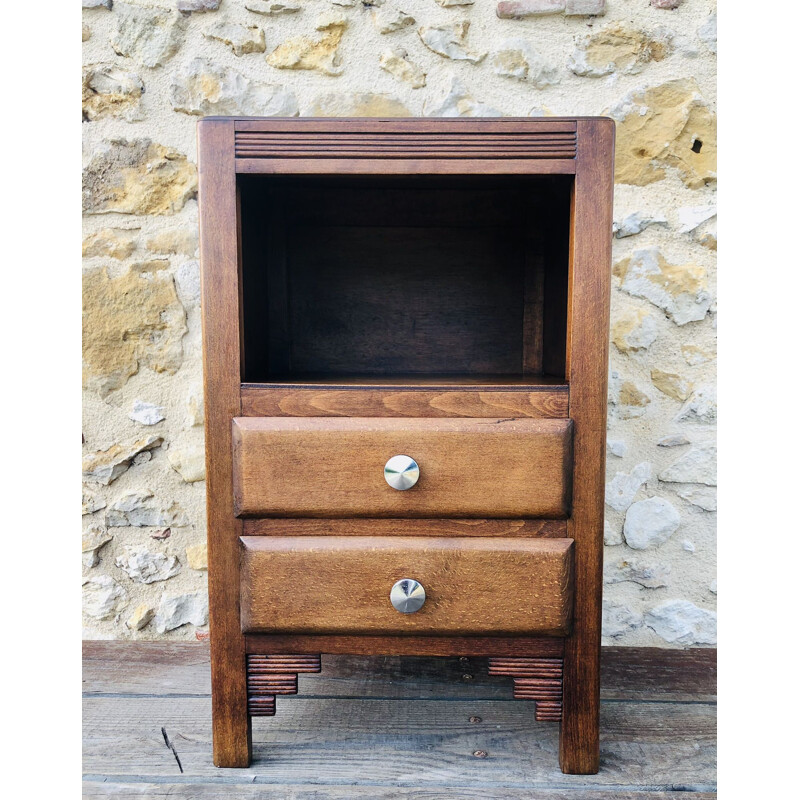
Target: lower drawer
point(342, 585)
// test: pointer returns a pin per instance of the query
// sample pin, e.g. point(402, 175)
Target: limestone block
point(110, 91)
point(683, 622)
point(197, 6)
point(204, 88)
point(649, 523)
point(183, 609)
point(694, 355)
point(517, 9)
point(149, 35)
point(622, 488)
point(319, 53)
point(272, 8)
point(90, 502)
point(449, 41)
point(197, 556)
point(665, 125)
point(634, 331)
point(616, 447)
point(107, 465)
point(137, 177)
point(699, 465)
point(130, 321)
point(240, 38)
point(109, 242)
point(188, 459)
point(389, 19)
point(618, 620)
point(145, 566)
point(174, 241)
point(673, 440)
point(146, 413)
point(618, 48)
point(702, 497)
point(92, 541)
point(518, 59)
point(395, 61)
point(650, 575)
point(140, 617)
point(671, 384)
point(708, 32)
point(141, 509)
point(635, 223)
point(701, 406)
point(680, 290)
point(103, 597)
point(626, 399)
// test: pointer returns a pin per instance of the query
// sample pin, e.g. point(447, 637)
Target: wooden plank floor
point(419, 728)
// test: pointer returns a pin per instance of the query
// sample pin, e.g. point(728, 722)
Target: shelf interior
point(404, 280)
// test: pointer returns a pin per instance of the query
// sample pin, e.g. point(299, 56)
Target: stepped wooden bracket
point(538, 679)
point(271, 675)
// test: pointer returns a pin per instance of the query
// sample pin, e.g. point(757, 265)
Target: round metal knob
point(407, 595)
point(401, 472)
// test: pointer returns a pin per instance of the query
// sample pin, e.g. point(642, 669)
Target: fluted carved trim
point(537, 679)
point(271, 675)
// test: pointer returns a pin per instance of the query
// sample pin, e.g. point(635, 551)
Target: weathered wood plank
point(226, 790)
point(164, 668)
point(655, 746)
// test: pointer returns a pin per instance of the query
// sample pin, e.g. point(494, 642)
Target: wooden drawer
point(341, 585)
point(322, 467)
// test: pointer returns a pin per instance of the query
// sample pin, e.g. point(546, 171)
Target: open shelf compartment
point(404, 280)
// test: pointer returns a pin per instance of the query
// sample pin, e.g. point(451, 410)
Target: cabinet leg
point(233, 742)
point(579, 745)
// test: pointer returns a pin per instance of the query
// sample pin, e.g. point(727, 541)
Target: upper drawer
point(323, 467)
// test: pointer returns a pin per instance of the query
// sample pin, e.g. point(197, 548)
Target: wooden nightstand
point(405, 332)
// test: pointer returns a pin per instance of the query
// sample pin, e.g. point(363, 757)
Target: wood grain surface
point(545, 528)
point(321, 467)
point(587, 370)
point(371, 401)
point(219, 260)
point(341, 585)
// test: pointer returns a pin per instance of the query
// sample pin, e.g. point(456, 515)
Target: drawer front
point(320, 467)
point(342, 585)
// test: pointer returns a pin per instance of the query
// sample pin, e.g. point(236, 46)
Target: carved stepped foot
point(268, 676)
point(539, 679)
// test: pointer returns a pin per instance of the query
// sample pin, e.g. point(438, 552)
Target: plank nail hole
point(476, 719)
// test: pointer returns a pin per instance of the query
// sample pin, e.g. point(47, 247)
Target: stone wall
point(152, 70)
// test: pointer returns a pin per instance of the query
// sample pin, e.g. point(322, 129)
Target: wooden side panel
point(587, 370)
point(341, 585)
point(320, 467)
point(220, 311)
point(362, 401)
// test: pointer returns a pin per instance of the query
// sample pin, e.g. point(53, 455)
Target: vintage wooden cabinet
point(405, 329)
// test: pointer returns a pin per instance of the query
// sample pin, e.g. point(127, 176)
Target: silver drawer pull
point(407, 596)
point(401, 472)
